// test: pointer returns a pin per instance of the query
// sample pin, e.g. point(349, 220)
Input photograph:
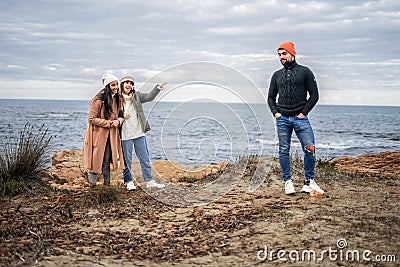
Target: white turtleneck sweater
point(131, 128)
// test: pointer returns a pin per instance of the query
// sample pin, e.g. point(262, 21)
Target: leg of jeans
point(106, 163)
point(127, 147)
point(142, 152)
point(284, 129)
point(305, 134)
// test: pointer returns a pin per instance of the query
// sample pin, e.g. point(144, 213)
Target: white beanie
point(107, 78)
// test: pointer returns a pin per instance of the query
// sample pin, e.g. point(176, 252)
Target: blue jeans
point(142, 152)
point(302, 127)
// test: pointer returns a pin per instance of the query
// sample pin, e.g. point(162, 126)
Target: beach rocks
point(67, 170)
point(68, 173)
point(383, 165)
point(175, 173)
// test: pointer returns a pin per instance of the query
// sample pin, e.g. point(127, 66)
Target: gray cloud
point(348, 44)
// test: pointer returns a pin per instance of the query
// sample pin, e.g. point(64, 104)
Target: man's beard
point(286, 62)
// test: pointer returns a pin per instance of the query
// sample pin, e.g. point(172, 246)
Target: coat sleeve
point(147, 97)
point(95, 115)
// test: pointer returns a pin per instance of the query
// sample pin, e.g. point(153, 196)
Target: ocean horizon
point(205, 101)
point(199, 133)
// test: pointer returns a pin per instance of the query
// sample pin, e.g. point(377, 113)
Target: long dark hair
point(107, 98)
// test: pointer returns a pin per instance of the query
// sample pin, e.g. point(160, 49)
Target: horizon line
point(259, 103)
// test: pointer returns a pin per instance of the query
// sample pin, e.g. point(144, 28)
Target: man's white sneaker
point(130, 186)
point(289, 188)
point(312, 186)
point(154, 184)
point(306, 189)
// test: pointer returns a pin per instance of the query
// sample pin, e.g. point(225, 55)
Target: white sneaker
point(289, 188)
point(313, 186)
point(154, 184)
point(306, 189)
point(130, 186)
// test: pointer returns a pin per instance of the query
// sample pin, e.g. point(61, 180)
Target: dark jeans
point(92, 177)
point(106, 163)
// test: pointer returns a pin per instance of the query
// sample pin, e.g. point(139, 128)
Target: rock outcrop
point(68, 173)
point(383, 165)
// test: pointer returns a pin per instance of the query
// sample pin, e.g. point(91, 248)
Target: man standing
point(292, 83)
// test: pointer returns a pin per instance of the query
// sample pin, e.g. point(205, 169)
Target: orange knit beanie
point(288, 46)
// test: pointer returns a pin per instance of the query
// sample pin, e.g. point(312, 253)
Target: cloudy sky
point(59, 49)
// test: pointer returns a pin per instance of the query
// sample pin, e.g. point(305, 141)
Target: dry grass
point(23, 159)
point(102, 195)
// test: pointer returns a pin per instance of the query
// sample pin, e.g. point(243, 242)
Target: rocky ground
point(225, 215)
point(385, 165)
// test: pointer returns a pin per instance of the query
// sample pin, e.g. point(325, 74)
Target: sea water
point(193, 133)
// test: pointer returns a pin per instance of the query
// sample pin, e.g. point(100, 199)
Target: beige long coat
point(96, 136)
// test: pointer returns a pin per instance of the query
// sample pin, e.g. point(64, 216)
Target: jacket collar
point(290, 65)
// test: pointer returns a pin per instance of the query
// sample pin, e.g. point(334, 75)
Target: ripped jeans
point(302, 127)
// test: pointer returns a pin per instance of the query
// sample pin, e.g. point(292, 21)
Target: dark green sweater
point(292, 83)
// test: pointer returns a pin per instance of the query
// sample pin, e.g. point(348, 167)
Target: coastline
point(67, 166)
point(334, 134)
point(382, 165)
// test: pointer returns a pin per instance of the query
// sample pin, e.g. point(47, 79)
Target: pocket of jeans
point(297, 117)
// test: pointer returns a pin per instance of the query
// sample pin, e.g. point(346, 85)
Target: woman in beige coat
point(102, 143)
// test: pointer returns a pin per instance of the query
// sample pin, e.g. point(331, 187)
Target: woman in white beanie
point(102, 143)
point(134, 129)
